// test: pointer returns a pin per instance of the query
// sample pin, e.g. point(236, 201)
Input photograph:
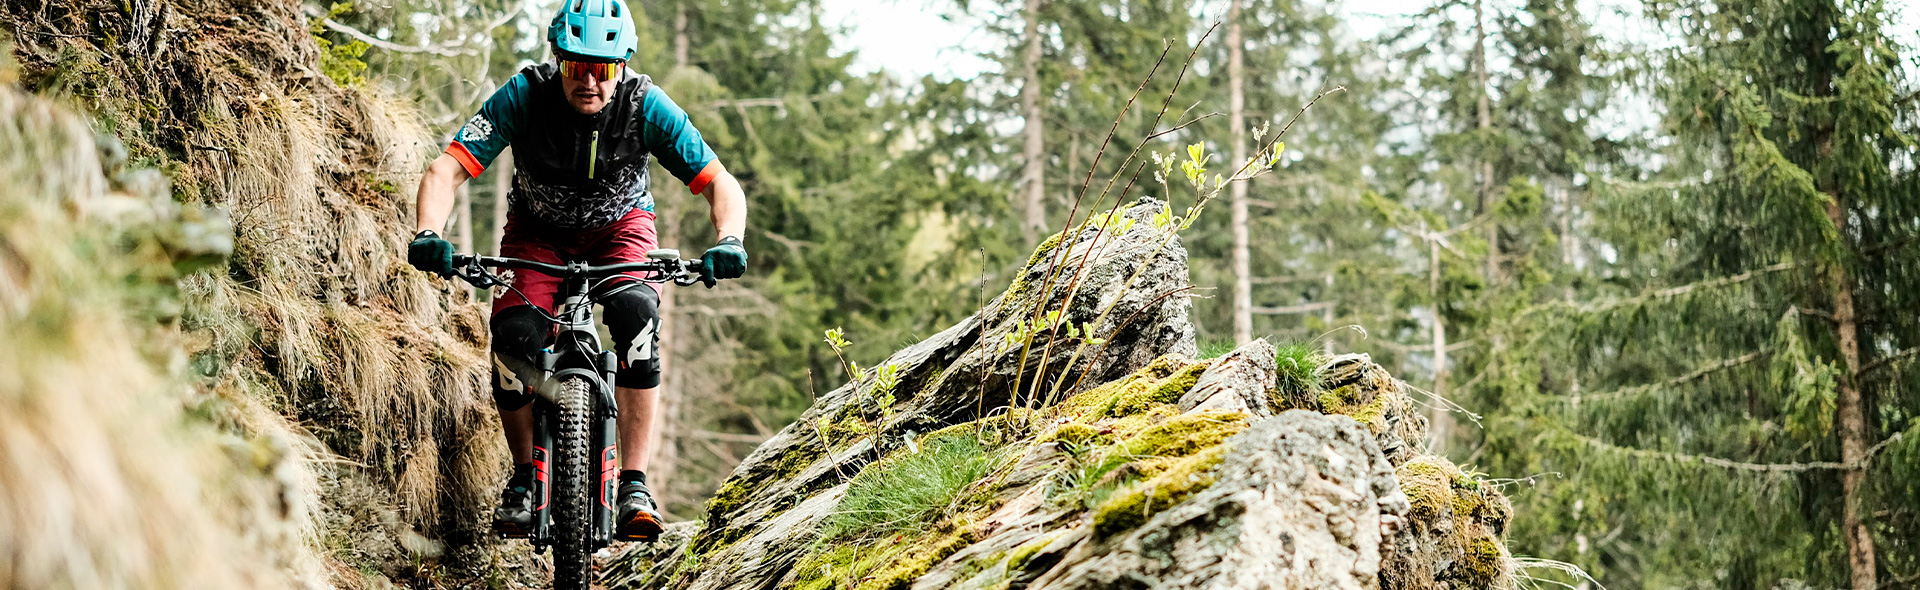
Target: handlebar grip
point(699, 266)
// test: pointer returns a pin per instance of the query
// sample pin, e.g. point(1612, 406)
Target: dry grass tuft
point(313, 333)
point(109, 483)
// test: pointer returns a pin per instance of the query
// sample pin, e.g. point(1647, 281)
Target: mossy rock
point(1456, 519)
point(1162, 381)
point(1132, 507)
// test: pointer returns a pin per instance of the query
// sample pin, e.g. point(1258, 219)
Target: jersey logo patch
point(478, 129)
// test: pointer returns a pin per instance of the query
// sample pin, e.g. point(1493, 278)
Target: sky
point(912, 38)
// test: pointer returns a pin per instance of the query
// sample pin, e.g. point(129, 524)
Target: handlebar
point(472, 268)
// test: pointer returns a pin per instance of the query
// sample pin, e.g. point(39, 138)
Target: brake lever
point(475, 274)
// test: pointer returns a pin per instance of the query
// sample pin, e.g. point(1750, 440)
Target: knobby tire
point(572, 484)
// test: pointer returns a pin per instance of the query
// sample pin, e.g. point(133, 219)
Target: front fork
point(606, 440)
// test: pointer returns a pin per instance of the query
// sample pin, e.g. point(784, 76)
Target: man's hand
point(429, 253)
point(727, 260)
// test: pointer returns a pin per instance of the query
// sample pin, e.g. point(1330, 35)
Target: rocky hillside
point(1004, 454)
point(292, 406)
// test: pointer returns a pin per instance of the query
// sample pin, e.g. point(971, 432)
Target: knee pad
point(633, 317)
point(518, 335)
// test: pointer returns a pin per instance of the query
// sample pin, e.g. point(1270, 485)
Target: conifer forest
point(1649, 269)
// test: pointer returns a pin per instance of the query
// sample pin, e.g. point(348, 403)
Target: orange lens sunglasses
point(578, 70)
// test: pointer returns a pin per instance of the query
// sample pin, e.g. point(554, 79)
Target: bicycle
point(574, 407)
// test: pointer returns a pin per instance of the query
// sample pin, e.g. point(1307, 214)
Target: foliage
point(899, 495)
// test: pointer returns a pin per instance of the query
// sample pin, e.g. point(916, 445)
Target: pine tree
point(1731, 403)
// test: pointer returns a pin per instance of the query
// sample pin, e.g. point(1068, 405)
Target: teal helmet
point(593, 29)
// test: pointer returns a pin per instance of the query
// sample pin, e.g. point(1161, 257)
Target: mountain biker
point(583, 130)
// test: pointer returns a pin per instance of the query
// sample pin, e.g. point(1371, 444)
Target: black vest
point(575, 171)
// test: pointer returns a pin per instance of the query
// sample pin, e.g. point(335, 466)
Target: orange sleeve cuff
point(467, 161)
point(706, 176)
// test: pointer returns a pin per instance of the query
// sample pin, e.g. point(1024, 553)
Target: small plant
point(908, 491)
point(879, 397)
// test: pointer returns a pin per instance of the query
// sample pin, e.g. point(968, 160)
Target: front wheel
point(572, 488)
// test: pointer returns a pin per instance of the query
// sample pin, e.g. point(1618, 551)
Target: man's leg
point(637, 433)
point(519, 427)
point(633, 319)
point(518, 334)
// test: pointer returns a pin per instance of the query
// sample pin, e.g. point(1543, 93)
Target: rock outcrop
point(1067, 438)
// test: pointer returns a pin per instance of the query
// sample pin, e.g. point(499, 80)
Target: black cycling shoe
point(639, 518)
point(514, 517)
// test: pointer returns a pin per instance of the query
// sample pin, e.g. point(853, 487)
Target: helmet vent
point(577, 5)
point(610, 35)
point(616, 14)
point(576, 32)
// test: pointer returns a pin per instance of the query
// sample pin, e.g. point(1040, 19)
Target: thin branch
point(1888, 360)
point(1184, 125)
point(1294, 309)
point(1695, 375)
point(446, 50)
point(1741, 465)
point(729, 436)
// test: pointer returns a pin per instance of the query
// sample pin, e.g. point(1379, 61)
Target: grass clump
point(1213, 349)
point(905, 491)
point(1295, 385)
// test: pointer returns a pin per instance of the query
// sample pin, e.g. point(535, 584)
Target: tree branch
point(1293, 309)
point(1740, 465)
point(440, 50)
point(1696, 375)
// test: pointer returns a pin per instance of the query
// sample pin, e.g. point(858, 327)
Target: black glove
point(727, 260)
point(429, 253)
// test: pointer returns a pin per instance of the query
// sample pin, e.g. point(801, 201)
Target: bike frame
point(576, 351)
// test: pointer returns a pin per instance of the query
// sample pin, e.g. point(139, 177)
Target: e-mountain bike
point(576, 462)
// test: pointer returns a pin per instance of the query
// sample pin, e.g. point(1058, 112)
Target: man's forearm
point(434, 201)
point(729, 206)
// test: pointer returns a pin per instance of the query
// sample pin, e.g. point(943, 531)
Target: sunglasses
point(603, 71)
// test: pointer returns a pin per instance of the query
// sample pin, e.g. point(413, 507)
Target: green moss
point(909, 565)
point(1483, 562)
point(1131, 508)
point(1018, 558)
point(842, 431)
point(1162, 381)
point(1350, 401)
point(731, 495)
point(1074, 433)
point(1142, 395)
point(1183, 435)
point(1426, 485)
point(1045, 248)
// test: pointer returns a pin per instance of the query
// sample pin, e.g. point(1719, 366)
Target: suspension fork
point(607, 444)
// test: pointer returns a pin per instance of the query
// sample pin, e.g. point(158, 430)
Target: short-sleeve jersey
point(578, 171)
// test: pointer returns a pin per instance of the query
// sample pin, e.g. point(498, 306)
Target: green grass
point(1216, 348)
point(1294, 363)
point(907, 492)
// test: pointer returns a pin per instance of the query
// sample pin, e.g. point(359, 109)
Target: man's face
point(588, 93)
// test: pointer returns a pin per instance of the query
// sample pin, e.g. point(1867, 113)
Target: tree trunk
point(1485, 110)
point(1442, 419)
point(1236, 117)
point(665, 462)
point(1034, 150)
point(1852, 417)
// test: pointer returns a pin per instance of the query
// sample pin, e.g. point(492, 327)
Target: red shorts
point(626, 240)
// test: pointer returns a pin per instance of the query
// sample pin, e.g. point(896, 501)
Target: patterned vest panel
point(575, 171)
